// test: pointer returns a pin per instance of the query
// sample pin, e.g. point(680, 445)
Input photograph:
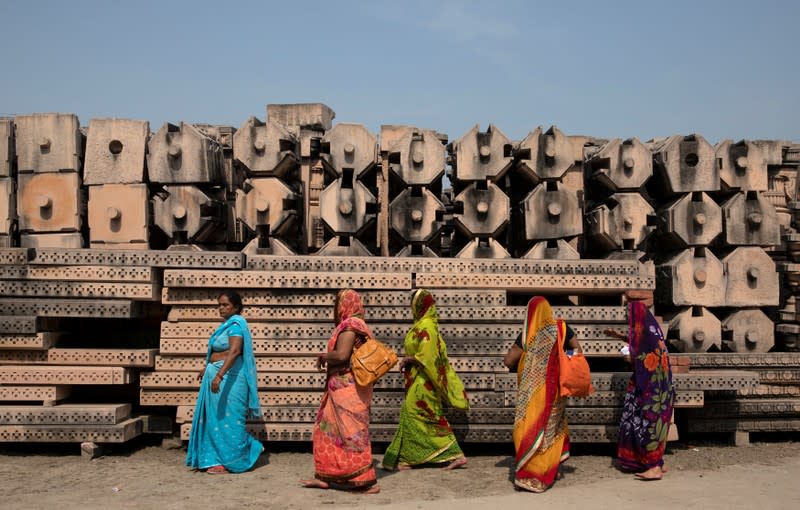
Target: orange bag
point(575, 379)
point(370, 360)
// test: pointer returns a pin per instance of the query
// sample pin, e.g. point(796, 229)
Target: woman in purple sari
point(650, 395)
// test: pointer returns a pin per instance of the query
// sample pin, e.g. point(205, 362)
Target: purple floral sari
point(650, 395)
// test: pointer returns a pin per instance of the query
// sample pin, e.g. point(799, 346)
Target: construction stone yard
point(116, 240)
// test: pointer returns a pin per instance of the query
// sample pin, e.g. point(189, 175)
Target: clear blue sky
point(724, 69)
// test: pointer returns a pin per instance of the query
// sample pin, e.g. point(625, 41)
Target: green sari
point(424, 435)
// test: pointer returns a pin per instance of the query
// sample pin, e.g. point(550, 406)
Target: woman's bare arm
point(235, 344)
point(511, 359)
point(340, 355)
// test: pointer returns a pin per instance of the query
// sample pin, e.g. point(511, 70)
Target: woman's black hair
point(234, 298)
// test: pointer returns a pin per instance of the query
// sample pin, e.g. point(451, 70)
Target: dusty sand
point(141, 475)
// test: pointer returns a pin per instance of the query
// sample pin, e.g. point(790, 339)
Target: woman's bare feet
point(314, 484)
point(651, 474)
point(456, 464)
point(373, 489)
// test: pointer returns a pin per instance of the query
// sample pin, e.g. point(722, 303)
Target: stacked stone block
point(51, 202)
point(269, 201)
point(713, 272)
point(119, 209)
point(8, 184)
point(413, 163)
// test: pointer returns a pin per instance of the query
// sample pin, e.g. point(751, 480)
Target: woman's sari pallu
point(647, 409)
point(341, 444)
point(424, 435)
point(219, 436)
point(541, 438)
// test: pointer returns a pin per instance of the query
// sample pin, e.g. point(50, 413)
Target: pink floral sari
point(341, 443)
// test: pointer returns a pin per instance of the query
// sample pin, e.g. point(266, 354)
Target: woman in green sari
point(424, 435)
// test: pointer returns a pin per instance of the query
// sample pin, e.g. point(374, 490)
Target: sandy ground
point(141, 475)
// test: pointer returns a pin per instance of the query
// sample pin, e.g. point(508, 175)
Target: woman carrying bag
point(541, 437)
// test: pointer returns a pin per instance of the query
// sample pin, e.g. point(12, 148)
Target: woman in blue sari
point(219, 441)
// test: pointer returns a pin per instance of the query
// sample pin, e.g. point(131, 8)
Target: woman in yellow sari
point(424, 435)
point(541, 437)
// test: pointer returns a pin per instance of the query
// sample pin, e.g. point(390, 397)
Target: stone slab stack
point(288, 304)
point(74, 339)
point(771, 405)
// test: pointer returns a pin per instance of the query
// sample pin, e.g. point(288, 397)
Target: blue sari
point(219, 436)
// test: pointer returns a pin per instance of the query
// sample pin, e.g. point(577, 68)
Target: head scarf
point(540, 434)
point(349, 314)
point(425, 343)
point(423, 306)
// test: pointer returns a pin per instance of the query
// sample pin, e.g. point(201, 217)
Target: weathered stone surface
point(751, 278)
point(621, 165)
point(694, 330)
point(71, 240)
point(119, 213)
point(483, 249)
point(482, 210)
point(48, 142)
point(479, 156)
point(416, 215)
point(181, 154)
point(346, 207)
point(692, 220)
point(558, 249)
point(622, 223)
point(742, 165)
point(748, 330)
point(267, 201)
point(349, 148)
point(773, 150)
point(691, 277)
point(115, 151)
point(314, 116)
point(685, 163)
point(7, 147)
point(50, 202)
point(8, 206)
point(552, 211)
point(415, 155)
point(344, 246)
point(266, 148)
point(188, 214)
point(750, 219)
point(547, 155)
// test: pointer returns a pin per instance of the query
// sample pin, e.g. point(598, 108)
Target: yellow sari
point(541, 437)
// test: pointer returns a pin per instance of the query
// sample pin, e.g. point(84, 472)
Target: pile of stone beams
point(288, 303)
point(54, 363)
point(76, 330)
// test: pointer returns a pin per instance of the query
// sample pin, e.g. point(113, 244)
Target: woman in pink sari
point(341, 444)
